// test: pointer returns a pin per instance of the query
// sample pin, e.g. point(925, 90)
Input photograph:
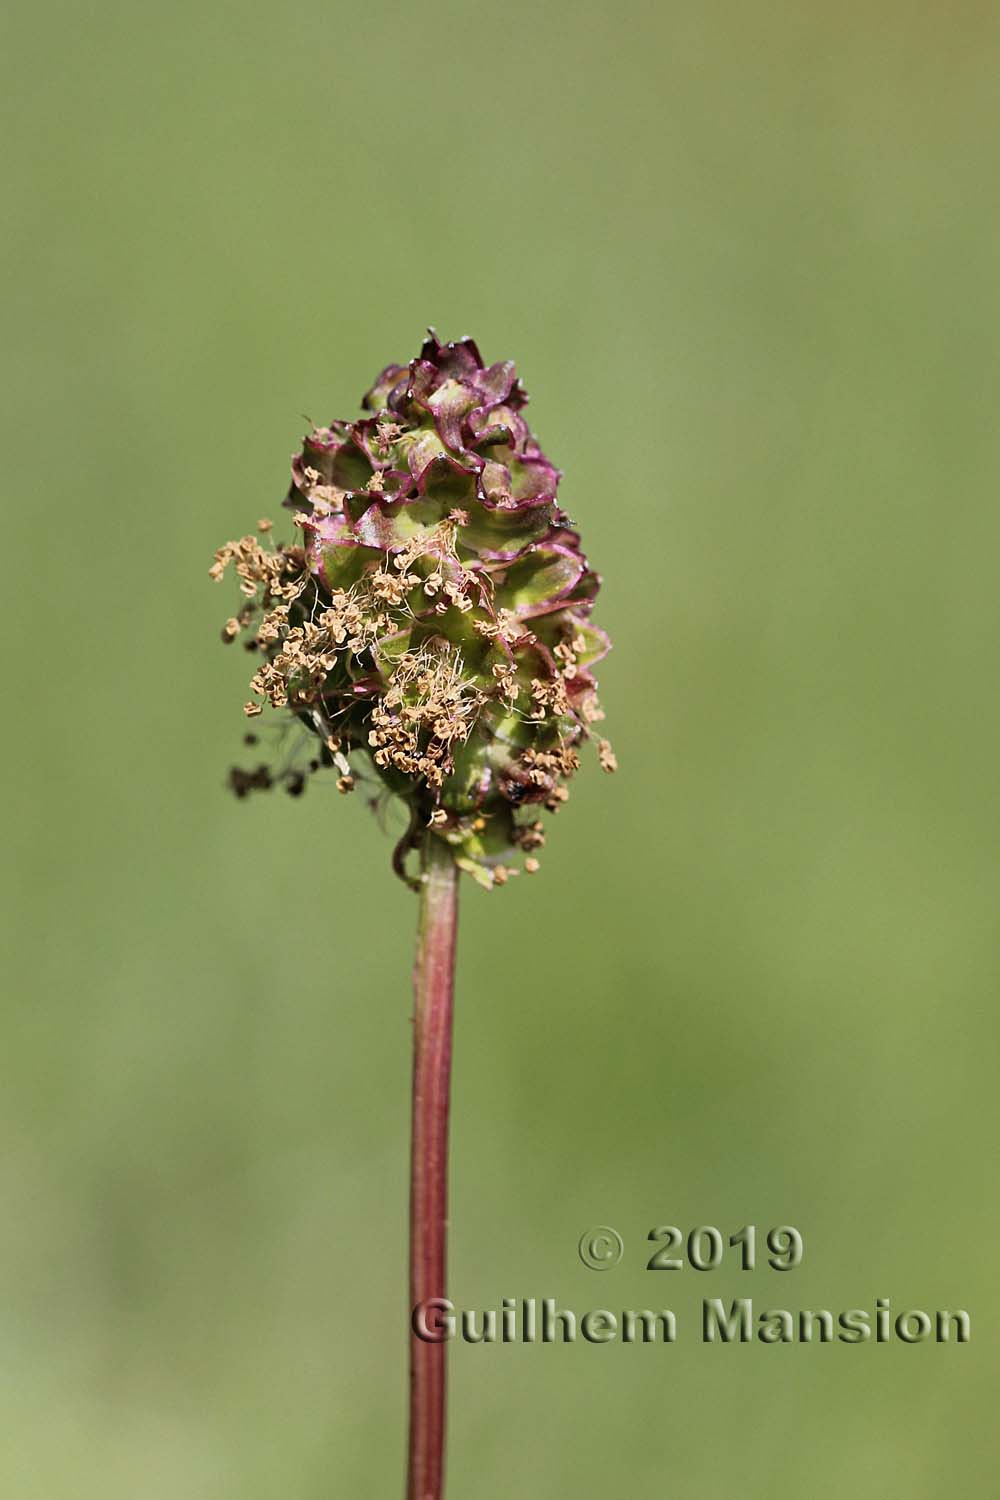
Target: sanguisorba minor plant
point(431, 632)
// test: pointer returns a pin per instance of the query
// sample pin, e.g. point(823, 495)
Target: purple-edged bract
point(435, 617)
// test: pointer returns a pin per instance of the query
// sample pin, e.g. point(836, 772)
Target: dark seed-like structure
point(435, 618)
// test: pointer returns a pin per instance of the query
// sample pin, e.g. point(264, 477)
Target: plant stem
point(433, 986)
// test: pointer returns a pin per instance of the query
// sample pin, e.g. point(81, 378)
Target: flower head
point(435, 617)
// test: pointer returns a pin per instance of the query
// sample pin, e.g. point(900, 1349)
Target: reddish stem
point(433, 985)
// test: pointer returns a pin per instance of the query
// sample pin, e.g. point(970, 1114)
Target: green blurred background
point(746, 259)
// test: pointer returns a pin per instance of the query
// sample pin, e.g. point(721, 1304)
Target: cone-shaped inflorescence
point(435, 618)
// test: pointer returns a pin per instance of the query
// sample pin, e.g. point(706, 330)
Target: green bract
point(435, 618)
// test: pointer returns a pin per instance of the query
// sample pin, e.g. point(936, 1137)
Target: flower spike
point(434, 619)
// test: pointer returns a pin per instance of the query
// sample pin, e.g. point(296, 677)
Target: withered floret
point(436, 617)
